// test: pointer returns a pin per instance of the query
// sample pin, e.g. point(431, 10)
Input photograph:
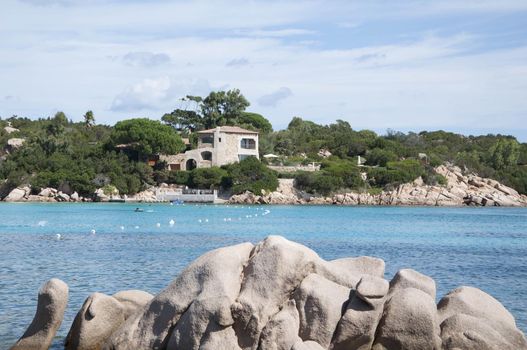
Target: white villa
point(216, 147)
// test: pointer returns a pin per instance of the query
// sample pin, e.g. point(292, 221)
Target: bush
point(326, 184)
point(179, 177)
point(250, 175)
point(345, 170)
point(381, 157)
point(318, 182)
point(207, 178)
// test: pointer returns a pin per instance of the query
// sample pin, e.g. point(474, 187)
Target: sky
point(405, 65)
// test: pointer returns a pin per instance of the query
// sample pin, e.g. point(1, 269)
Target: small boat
point(138, 210)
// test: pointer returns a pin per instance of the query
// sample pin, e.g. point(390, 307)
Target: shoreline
point(459, 191)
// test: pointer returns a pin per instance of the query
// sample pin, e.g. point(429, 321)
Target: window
point(207, 138)
point(206, 155)
point(219, 139)
point(248, 144)
point(244, 156)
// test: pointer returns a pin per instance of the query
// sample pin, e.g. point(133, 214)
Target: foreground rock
point(460, 190)
point(52, 301)
point(280, 295)
point(101, 315)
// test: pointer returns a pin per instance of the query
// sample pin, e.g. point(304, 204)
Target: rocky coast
point(279, 294)
point(459, 190)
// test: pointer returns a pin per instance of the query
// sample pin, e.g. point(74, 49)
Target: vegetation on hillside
point(83, 156)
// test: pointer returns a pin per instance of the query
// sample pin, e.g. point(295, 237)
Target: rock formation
point(52, 301)
point(23, 194)
point(459, 190)
point(280, 295)
point(101, 315)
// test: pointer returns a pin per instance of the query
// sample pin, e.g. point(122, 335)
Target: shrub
point(250, 175)
point(381, 157)
point(207, 177)
point(179, 177)
point(345, 170)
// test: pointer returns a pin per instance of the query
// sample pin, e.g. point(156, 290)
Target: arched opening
point(206, 155)
point(191, 164)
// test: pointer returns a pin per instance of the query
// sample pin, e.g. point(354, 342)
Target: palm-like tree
point(89, 119)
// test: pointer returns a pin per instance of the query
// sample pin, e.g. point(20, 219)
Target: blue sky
point(404, 65)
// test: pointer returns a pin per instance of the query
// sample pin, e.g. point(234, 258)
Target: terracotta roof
point(228, 129)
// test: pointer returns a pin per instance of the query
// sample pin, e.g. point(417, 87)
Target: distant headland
point(217, 149)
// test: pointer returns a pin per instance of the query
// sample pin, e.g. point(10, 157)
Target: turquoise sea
point(482, 247)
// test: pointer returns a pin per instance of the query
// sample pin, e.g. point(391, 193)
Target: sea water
point(111, 247)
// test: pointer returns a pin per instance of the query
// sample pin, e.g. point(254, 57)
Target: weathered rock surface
point(18, 194)
point(281, 295)
point(472, 319)
point(460, 190)
point(357, 326)
point(409, 321)
point(52, 302)
point(101, 315)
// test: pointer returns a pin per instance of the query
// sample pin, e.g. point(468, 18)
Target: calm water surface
point(482, 247)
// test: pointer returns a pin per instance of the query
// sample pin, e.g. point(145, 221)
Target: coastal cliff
point(279, 294)
point(459, 190)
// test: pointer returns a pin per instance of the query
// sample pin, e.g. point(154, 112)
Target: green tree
point(183, 120)
point(57, 124)
point(89, 119)
point(223, 108)
point(256, 121)
point(208, 178)
point(146, 137)
point(504, 153)
point(250, 175)
point(381, 157)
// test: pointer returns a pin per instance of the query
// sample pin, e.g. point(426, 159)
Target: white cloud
point(280, 33)
point(56, 57)
point(146, 59)
point(156, 94)
point(272, 99)
point(238, 62)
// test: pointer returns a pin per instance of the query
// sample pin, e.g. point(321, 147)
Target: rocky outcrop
point(18, 194)
point(460, 190)
point(472, 319)
point(52, 301)
point(101, 315)
point(23, 194)
point(15, 143)
point(280, 295)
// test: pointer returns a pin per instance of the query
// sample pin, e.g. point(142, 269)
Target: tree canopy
point(217, 109)
point(146, 137)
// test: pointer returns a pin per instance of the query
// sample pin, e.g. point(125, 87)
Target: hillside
point(84, 156)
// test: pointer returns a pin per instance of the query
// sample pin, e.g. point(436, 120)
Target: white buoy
point(171, 222)
point(158, 225)
point(206, 220)
point(58, 236)
point(224, 219)
point(122, 228)
point(137, 227)
point(92, 232)
point(199, 220)
point(171, 203)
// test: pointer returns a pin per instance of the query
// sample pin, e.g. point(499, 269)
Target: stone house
point(216, 147)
